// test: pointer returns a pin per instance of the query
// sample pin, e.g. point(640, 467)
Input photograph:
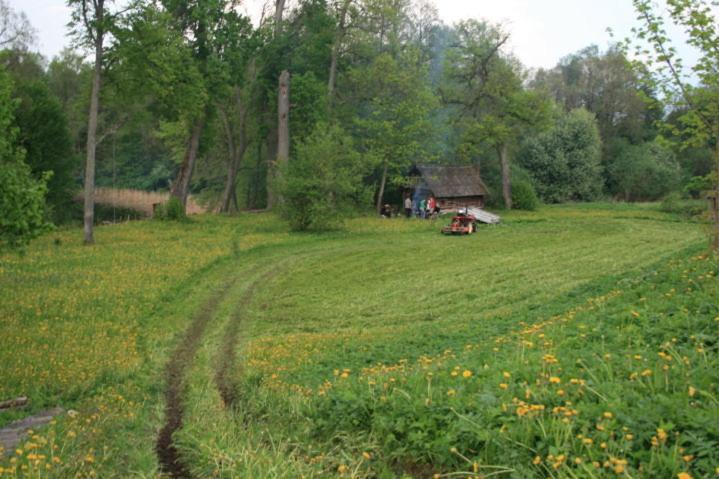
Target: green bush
point(171, 210)
point(644, 172)
point(674, 203)
point(699, 185)
point(322, 184)
point(22, 197)
point(523, 196)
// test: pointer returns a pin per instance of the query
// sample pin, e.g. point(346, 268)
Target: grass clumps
point(171, 210)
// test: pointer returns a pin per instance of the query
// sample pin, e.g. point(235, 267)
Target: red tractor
point(462, 224)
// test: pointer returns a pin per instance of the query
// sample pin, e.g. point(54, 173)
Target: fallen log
point(13, 403)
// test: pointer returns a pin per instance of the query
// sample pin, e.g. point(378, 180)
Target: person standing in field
point(408, 207)
point(431, 205)
point(423, 208)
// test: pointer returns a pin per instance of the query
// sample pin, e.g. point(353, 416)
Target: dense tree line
point(187, 96)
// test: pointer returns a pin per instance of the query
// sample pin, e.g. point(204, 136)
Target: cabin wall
point(460, 202)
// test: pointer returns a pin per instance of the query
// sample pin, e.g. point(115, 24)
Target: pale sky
point(542, 31)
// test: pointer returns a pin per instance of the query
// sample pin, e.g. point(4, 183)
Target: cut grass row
point(323, 327)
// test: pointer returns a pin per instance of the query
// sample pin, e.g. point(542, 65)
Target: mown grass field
point(578, 341)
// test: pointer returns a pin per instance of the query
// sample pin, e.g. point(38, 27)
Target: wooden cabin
point(453, 186)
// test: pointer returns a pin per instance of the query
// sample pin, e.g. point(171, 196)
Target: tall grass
point(142, 201)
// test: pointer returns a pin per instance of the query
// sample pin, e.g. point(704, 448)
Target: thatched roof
point(452, 181)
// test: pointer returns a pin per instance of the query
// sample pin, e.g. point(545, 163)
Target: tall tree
point(493, 105)
point(204, 26)
point(91, 22)
point(283, 127)
point(238, 61)
point(395, 120)
point(700, 122)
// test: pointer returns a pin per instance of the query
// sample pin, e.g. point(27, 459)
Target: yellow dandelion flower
point(537, 460)
point(607, 415)
point(367, 455)
point(503, 386)
point(684, 475)
point(467, 373)
point(555, 380)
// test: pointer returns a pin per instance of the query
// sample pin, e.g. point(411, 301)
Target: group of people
point(420, 207)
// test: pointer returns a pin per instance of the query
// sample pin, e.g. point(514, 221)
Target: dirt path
point(181, 358)
point(224, 377)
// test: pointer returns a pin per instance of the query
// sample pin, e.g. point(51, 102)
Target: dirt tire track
point(224, 379)
point(182, 357)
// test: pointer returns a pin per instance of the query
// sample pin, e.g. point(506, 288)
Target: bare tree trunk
point(279, 8)
point(503, 151)
point(181, 186)
point(283, 118)
point(336, 50)
point(89, 193)
point(283, 132)
point(382, 184)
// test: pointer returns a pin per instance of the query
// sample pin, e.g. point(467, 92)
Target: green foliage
point(699, 104)
point(698, 185)
point(606, 84)
point(674, 203)
point(22, 197)
point(564, 163)
point(394, 115)
point(644, 172)
point(523, 196)
point(309, 99)
point(322, 184)
point(44, 134)
point(171, 210)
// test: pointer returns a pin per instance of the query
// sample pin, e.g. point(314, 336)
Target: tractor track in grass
point(180, 360)
point(224, 379)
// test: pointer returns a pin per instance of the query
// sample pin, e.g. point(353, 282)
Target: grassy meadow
point(577, 341)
